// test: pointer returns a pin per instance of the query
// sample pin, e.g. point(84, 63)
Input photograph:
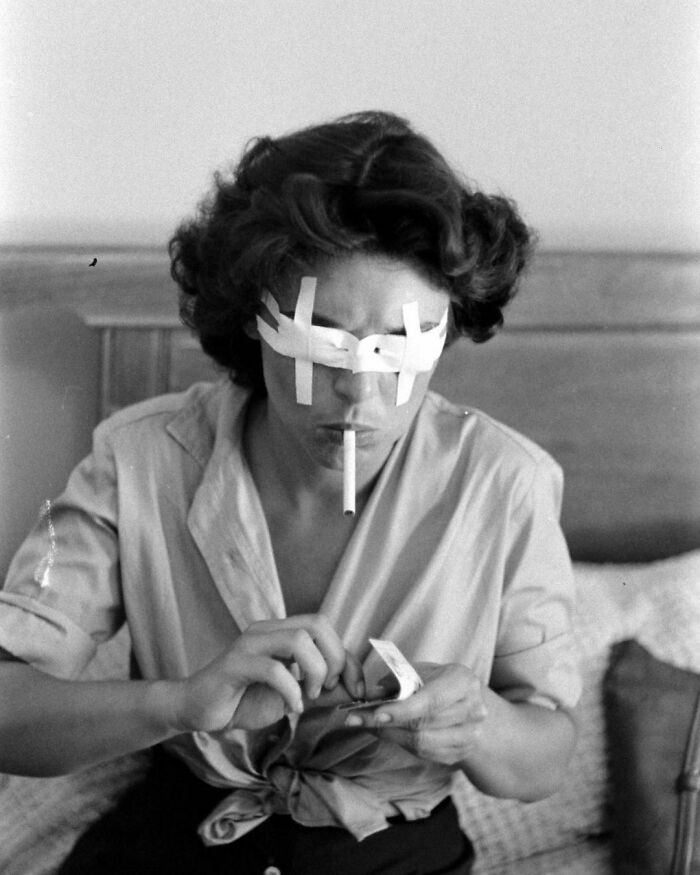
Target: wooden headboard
point(599, 363)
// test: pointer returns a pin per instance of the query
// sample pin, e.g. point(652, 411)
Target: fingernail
point(353, 720)
point(331, 683)
point(383, 717)
point(360, 690)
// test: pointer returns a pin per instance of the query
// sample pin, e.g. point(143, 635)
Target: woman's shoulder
point(156, 411)
point(479, 439)
point(189, 418)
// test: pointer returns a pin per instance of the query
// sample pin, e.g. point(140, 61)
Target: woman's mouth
point(364, 434)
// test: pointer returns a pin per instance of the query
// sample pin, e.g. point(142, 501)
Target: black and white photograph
point(349, 437)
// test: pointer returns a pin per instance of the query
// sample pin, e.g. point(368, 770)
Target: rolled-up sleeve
point(62, 595)
point(536, 658)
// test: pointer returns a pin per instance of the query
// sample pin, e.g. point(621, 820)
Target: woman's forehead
point(362, 289)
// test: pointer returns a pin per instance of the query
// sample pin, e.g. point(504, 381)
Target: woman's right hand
point(259, 663)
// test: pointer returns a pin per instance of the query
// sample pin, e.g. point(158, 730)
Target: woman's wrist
point(163, 707)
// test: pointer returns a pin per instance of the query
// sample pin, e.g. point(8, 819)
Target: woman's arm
point(510, 749)
point(522, 750)
point(50, 726)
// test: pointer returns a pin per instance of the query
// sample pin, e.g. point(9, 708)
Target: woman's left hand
point(441, 722)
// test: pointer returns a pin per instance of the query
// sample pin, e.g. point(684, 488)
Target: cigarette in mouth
point(349, 472)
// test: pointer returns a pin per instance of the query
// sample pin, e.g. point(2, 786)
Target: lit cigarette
point(349, 472)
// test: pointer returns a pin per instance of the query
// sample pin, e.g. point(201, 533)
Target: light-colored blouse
point(457, 557)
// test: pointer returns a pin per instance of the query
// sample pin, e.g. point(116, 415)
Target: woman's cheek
point(279, 374)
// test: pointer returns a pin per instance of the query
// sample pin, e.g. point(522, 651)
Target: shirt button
point(272, 870)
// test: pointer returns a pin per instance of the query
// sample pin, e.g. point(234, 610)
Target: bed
point(599, 362)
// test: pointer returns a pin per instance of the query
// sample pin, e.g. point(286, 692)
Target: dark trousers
point(153, 829)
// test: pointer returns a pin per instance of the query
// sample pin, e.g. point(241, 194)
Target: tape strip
point(303, 317)
point(306, 343)
point(411, 357)
point(271, 305)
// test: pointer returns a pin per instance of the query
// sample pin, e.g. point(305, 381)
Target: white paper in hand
point(406, 676)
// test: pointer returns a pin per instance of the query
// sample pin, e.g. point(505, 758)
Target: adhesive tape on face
point(307, 344)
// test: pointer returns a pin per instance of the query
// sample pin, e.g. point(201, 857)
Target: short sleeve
point(536, 658)
point(62, 593)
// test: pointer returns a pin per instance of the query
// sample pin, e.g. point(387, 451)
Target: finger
point(386, 687)
point(328, 642)
point(424, 707)
point(266, 670)
point(384, 716)
point(437, 745)
point(330, 698)
point(353, 677)
point(417, 742)
point(453, 685)
point(291, 643)
point(322, 633)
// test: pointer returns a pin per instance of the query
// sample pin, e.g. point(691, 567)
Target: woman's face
point(362, 294)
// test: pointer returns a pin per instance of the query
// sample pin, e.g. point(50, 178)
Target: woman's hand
point(441, 722)
point(260, 664)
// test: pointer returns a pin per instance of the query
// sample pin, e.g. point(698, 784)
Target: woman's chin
point(328, 456)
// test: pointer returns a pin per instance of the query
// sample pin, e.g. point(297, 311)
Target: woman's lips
point(364, 435)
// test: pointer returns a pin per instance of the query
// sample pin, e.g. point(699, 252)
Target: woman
point(326, 275)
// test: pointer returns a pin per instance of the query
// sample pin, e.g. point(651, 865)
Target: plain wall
point(587, 112)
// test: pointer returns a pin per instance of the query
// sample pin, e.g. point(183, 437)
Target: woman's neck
point(281, 467)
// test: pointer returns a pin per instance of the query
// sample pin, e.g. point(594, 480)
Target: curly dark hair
point(366, 182)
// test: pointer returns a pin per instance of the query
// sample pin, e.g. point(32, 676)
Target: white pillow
point(658, 604)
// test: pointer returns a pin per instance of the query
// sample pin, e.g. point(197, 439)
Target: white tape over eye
point(303, 315)
point(307, 344)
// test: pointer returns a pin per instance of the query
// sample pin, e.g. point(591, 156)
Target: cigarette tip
point(349, 512)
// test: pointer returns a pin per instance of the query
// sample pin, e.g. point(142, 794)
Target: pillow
point(614, 602)
point(649, 708)
point(42, 818)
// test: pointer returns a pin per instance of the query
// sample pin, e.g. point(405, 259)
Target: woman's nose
point(353, 387)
